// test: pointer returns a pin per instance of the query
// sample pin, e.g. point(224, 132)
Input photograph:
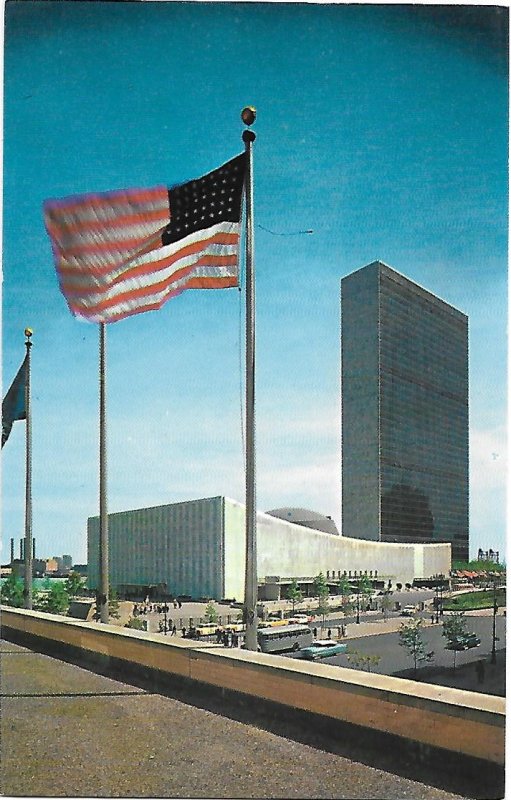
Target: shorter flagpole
point(27, 592)
point(102, 590)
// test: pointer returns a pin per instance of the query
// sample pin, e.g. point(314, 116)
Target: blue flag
point(13, 405)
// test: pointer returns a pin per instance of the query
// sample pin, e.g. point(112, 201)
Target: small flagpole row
point(27, 592)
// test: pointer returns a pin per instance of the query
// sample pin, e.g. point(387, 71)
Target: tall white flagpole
point(250, 606)
point(27, 592)
point(102, 591)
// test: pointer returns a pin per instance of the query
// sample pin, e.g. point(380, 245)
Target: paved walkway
point(70, 732)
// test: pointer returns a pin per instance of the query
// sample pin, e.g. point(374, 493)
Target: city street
point(377, 635)
point(394, 657)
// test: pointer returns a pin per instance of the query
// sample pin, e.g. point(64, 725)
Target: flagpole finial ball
point(248, 115)
point(28, 332)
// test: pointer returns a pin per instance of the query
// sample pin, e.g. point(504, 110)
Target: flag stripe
point(137, 287)
point(68, 234)
point(154, 301)
point(106, 271)
point(107, 205)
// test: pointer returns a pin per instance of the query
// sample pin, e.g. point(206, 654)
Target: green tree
point(320, 589)
point(113, 605)
point(11, 592)
point(364, 591)
point(345, 592)
point(474, 566)
point(136, 623)
point(411, 636)
point(363, 660)
point(211, 612)
point(294, 593)
point(56, 600)
point(453, 627)
point(74, 584)
point(386, 604)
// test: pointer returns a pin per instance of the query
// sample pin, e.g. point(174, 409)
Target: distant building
point(38, 567)
point(197, 548)
point(404, 412)
point(488, 555)
point(18, 568)
point(52, 565)
point(67, 562)
point(303, 516)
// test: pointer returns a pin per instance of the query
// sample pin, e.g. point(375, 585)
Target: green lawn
point(474, 600)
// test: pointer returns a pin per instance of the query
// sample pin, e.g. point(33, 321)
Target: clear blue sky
point(382, 128)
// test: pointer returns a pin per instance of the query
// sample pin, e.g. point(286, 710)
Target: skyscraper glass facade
point(404, 412)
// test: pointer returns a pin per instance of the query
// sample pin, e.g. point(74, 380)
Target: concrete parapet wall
point(466, 723)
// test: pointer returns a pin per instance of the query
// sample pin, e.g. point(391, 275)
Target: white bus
point(284, 637)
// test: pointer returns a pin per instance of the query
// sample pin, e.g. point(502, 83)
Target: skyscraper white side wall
point(179, 544)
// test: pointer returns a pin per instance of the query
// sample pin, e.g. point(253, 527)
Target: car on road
point(408, 611)
point(299, 619)
point(206, 629)
point(464, 642)
point(272, 622)
point(322, 648)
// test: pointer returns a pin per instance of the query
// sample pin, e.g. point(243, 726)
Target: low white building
point(197, 548)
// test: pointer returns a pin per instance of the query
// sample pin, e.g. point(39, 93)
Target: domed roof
point(307, 518)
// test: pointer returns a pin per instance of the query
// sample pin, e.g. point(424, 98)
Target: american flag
point(124, 252)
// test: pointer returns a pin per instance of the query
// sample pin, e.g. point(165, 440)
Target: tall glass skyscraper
point(404, 412)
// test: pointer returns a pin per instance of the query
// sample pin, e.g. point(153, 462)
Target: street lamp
point(439, 589)
point(495, 609)
point(358, 601)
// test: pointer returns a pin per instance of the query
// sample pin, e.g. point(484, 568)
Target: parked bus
point(285, 637)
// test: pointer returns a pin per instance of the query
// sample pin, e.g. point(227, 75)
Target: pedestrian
point(315, 632)
point(432, 619)
point(480, 671)
point(184, 633)
point(343, 629)
point(329, 634)
point(234, 640)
